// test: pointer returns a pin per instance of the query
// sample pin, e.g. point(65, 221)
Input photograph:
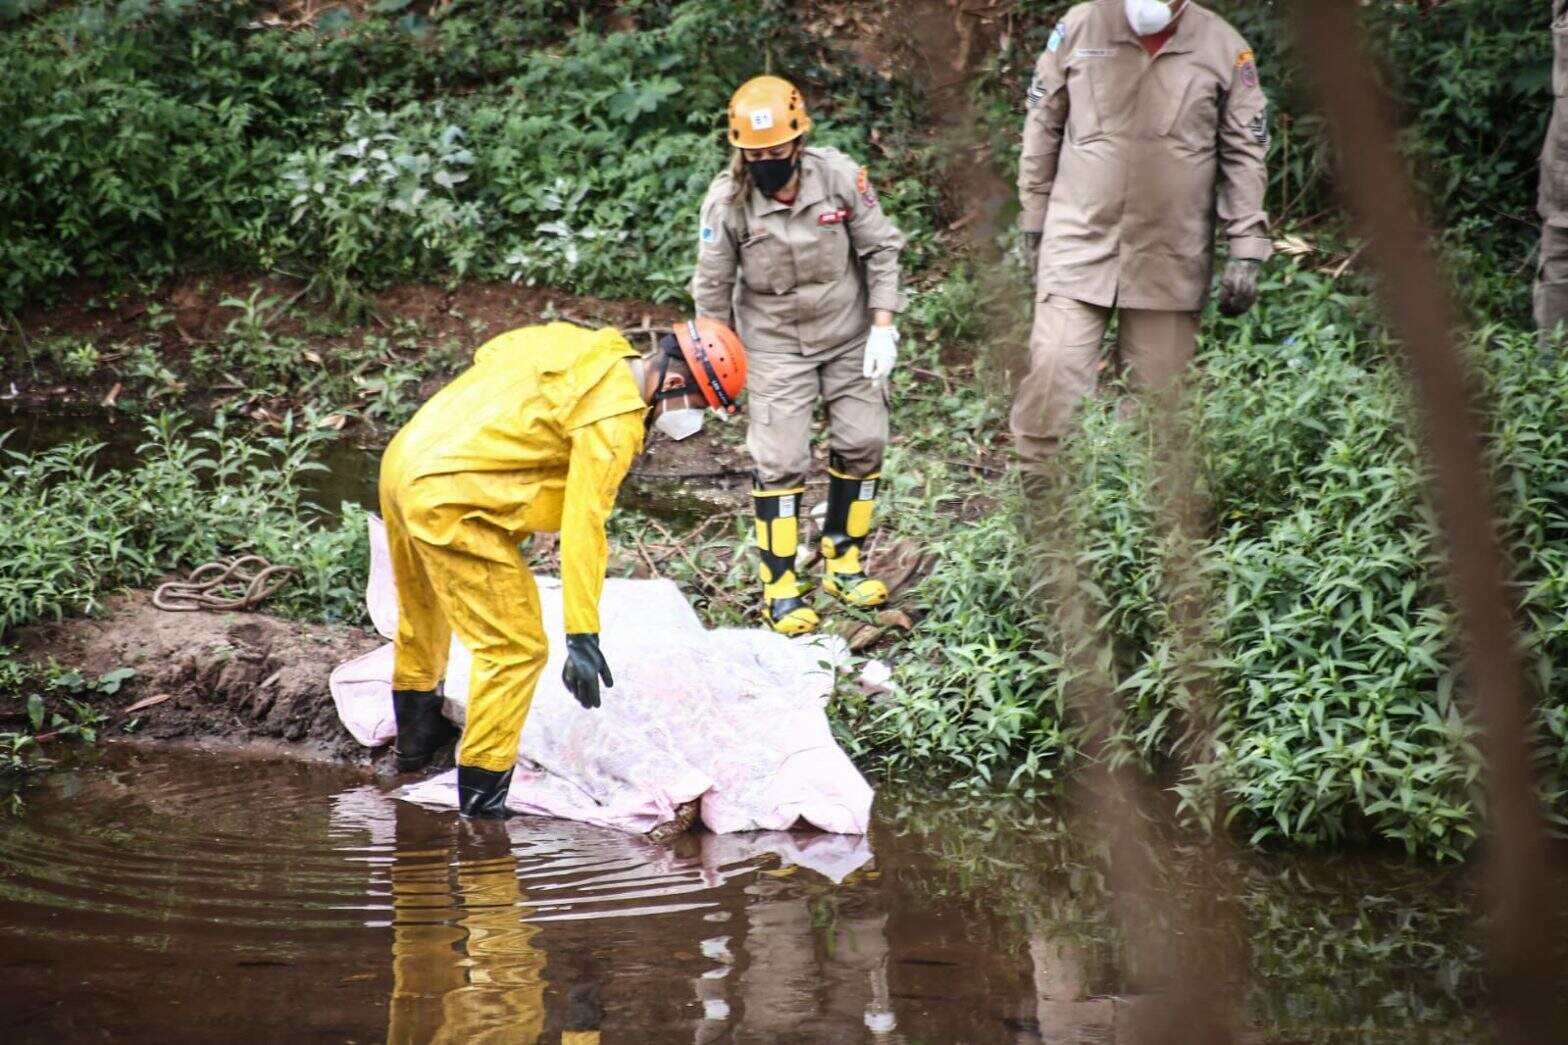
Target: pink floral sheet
point(733, 717)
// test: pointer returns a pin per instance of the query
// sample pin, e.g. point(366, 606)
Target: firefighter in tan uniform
point(1551, 286)
point(1145, 122)
point(794, 245)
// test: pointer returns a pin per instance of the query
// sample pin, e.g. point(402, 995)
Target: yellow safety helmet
point(767, 111)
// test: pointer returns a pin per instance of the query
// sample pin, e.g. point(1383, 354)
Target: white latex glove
point(881, 354)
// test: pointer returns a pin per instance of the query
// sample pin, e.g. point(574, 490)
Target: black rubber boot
point(481, 793)
point(421, 728)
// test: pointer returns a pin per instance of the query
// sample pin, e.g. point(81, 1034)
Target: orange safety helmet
point(716, 357)
point(767, 111)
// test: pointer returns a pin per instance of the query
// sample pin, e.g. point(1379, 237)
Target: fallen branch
point(642, 549)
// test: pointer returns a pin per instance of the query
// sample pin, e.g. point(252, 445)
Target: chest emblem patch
point(832, 217)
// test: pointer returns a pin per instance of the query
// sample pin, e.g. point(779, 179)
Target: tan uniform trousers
point(782, 390)
point(1551, 284)
point(1064, 360)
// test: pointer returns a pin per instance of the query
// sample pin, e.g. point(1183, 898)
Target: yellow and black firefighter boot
point(422, 730)
point(778, 539)
point(851, 501)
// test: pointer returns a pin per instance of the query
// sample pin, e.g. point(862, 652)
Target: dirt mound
point(235, 677)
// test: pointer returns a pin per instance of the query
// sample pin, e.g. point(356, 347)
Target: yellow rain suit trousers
point(535, 437)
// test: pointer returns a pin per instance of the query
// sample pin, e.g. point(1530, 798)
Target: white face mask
point(1148, 17)
point(680, 424)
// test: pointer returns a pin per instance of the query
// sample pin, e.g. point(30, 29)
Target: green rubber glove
point(584, 668)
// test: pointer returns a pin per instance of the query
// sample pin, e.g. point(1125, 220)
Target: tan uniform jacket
point(1553, 201)
point(798, 277)
point(1128, 159)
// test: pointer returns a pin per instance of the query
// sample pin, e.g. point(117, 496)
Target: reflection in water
point(584, 1014)
point(464, 964)
point(782, 974)
point(1065, 1009)
point(814, 965)
point(145, 891)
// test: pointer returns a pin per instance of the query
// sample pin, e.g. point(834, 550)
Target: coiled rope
point(228, 584)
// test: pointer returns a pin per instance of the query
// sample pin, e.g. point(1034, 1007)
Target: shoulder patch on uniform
point(707, 235)
point(1057, 36)
point(868, 195)
point(1247, 62)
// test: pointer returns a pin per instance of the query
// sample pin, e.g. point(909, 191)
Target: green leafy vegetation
point(74, 532)
point(525, 141)
point(52, 703)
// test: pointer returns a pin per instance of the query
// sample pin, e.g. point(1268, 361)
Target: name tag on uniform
point(1093, 52)
point(832, 217)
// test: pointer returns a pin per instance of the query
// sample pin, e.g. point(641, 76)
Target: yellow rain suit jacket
point(535, 437)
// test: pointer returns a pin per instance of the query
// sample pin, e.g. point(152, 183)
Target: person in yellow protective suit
point(535, 437)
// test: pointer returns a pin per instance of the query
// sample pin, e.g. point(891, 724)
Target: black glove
point(1029, 251)
point(1239, 286)
point(585, 666)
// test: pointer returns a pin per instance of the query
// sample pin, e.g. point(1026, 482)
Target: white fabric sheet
point(734, 717)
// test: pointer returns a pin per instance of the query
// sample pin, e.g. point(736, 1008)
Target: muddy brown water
point(156, 893)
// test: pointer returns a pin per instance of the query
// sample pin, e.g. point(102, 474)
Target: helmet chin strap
point(662, 395)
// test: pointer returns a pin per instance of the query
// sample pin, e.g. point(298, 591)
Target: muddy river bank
point(152, 891)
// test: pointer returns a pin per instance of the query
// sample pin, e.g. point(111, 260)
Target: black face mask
point(769, 176)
